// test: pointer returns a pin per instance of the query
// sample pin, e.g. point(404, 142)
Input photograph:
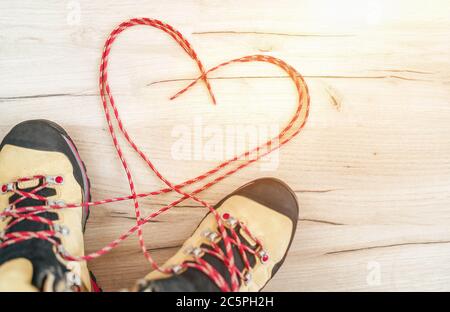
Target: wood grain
point(371, 168)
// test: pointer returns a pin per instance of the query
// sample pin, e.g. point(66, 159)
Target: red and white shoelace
point(223, 170)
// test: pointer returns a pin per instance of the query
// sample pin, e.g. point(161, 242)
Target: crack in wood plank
point(405, 78)
point(404, 71)
point(335, 99)
point(164, 248)
point(385, 246)
point(134, 219)
point(235, 32)
point(285, 77)
point(315, 191)
point(35, 96)
point(335, 102)
point(320, 221)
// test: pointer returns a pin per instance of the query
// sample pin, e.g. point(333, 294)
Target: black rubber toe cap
point(37, 134)
point(45, 135)
point(274, 194)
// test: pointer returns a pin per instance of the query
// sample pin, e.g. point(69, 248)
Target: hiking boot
point(40, 165)
point(261, 219)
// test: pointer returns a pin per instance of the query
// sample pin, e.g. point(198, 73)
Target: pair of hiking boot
point(40, 166)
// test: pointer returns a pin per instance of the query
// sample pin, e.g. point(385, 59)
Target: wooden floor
point(371, 169)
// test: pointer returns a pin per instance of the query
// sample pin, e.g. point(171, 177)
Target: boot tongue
point(238, 259)
point(16, 275)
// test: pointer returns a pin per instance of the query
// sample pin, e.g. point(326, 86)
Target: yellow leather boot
point(261, 218)
point(39, 165)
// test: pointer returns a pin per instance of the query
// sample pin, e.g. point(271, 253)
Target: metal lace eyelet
point(210, 236)
point(62, 251)
point(195, 251)
point(9, 187)
point(176, 269)
point(229, 220)
point(7, 209)
point(247, 278)
point(64, 230)
point(55, 203)
point(263, 256)
point(141, 284)
point(58, 180)
point(73, 280)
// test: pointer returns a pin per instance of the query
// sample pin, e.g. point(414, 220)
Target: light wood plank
point(371, 168)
